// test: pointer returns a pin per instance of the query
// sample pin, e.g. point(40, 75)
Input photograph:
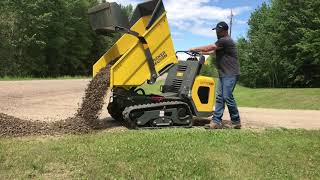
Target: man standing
point(229, 72)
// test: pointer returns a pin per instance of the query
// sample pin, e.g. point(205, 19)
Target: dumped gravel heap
point(12, 126)
point(93, 100)
point(85, 120)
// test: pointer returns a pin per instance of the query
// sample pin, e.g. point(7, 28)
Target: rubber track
point(132, 124)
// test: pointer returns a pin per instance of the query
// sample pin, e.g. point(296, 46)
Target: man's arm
point(204, 49)
point(207, 53)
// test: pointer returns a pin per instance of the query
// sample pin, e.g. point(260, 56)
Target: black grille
point(177, 84)
point(182, 68)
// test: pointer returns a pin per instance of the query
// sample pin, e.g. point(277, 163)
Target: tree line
point(41, 38)
point(282, 47)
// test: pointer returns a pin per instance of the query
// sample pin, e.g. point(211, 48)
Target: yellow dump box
point(147, 34)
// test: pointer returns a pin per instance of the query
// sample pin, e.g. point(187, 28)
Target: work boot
point(236, 125)
point(213, 125)
point(231, 125)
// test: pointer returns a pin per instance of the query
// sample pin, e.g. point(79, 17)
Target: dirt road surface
point(52, 100)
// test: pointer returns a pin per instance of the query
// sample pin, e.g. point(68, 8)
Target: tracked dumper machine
point(140, 56)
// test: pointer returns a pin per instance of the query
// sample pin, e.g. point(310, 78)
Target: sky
point(191, 21)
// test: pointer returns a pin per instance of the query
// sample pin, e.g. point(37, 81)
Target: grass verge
point(304, 98)
point(165, 154)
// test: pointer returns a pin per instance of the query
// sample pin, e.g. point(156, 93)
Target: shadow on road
point(108, 123)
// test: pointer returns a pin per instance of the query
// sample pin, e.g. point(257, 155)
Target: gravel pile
point(84, 121)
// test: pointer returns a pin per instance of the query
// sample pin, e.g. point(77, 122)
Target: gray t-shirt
point(226, 57)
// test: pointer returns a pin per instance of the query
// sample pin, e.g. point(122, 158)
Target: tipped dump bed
point(131, 67)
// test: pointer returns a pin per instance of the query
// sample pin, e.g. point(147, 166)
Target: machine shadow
point(108, 123)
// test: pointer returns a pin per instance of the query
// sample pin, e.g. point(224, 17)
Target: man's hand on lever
point(205, 50)
point(207, 53)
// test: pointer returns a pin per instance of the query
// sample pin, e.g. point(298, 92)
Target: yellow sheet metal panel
point(202, 81)
point(123, 70)
point(160, 43)
point(132, 68)
point(121, 46)
point(114, 52)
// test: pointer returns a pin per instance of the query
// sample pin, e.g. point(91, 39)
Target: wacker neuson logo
point(159, 58)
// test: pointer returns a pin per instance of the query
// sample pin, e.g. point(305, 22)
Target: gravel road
point(53, 100)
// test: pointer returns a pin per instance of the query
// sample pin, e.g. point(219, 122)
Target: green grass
point(165, 154)
point(304, 98)
point(10, 78)
point(279, 98)
point(153, 89)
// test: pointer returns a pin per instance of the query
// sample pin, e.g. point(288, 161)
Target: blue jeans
point(224, 96)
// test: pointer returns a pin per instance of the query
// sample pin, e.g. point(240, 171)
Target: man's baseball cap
point(221, 26)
